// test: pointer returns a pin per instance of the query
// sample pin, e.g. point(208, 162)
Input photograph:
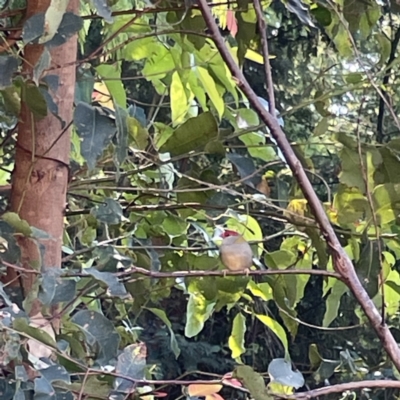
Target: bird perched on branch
point(236, 253)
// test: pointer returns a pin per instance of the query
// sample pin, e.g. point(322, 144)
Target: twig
point(321, 328)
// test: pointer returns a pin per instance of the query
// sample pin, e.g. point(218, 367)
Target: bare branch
point(187, 274)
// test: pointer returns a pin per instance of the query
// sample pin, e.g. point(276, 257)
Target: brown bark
point(40, 176)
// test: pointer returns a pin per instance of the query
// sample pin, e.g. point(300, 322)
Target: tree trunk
point(40, 176)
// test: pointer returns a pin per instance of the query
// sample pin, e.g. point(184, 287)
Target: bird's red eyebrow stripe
point(229, 232)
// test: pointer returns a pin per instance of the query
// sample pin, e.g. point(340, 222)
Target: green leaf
point(314, 356)
point(121, 119)
point(174, 344)
point(197, 313)
point(110, 212)
point(320, 246)
point(322, 15)
point(369, 18)
point(158, 64)
point(215, 147)
point(276, 328)
point(220, 70)
point(138, 133)
point(351, 206)
point(385, 46)
point(95, 130)
point(322, 127)
point(34, 99)
point(70, 24)
point(21, 325)
point(19, 225)
point(115, 287)
point(354, 78)
point(131, 363)
point(236, 339)
point(194, 134)
point(43, 389)
point(333, 302)
point(256, 146)
point(387, 202)
point(144, 48)
point(340, 36)
point(54, 289)
point(261, 290)
point(33, 28)
point(180, 102)
point(252, 381)
point(368, 266)
point(174, 226)
point(246, 168)
point(111, 73)
point(5, 299)
point(392, 292)
point(56, 372)
point(98, 330)
point(12, 101)
point(211, 90)
point(8, 67)
point(198, 91)
point(280, 259)
point(232, 284)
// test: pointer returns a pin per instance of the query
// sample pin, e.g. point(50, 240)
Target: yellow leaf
point(279, 388)
point(253, 56)
point(236, 339)
point(179, 101)
point(275, 327)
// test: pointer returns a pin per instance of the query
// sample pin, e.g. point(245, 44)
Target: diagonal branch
point(342, 263)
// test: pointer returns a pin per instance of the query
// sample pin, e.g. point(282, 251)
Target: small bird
point(236, 254)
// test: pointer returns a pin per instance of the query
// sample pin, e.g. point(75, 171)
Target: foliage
point(165, 147)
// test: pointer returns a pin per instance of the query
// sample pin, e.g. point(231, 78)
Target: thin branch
point(223, 273)
point(341, 261)
point(321, 328)
point(264, 44)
